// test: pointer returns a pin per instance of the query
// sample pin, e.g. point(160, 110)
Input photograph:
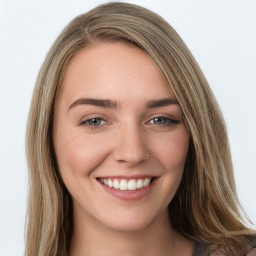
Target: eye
point(162, 121)
point(94, 123)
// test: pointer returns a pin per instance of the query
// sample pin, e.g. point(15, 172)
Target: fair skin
point(117, 121)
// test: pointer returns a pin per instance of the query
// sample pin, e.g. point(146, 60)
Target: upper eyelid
point(108, 120)
point(91, 116)
point(167, 116)
point(88, 119)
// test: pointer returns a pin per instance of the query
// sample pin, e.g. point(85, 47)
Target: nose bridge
point(130, 144)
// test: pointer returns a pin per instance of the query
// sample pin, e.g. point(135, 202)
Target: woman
point(127, 148)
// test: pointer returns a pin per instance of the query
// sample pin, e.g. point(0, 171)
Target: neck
point(91, 238)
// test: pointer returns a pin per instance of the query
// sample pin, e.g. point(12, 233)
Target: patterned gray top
point(200, 250)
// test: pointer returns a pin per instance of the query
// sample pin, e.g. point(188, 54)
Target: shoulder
point(202, 249)
point(221, 252)
point(252, 252)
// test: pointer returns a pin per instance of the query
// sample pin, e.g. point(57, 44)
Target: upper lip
point(137, 176)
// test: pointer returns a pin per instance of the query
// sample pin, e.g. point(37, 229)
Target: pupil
point(159, 120)
point(95, 121)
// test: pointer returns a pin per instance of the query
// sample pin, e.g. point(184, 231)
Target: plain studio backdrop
point(221, 35)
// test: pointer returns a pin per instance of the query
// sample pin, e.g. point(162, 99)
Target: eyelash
point(168, 122)
point(93, 127)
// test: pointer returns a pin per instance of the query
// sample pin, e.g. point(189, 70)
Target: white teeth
point(139, 183)
point(110, 183)
point(132, 185)
point(116, 184)
point(124, 184)
point(146, 182)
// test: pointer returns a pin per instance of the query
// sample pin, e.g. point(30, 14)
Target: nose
point(130, 145)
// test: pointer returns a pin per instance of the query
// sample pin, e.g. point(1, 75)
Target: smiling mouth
point(126, 184)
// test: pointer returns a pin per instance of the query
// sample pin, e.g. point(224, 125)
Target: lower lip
point(129, 195)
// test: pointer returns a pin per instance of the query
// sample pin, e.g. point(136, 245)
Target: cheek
point(77, 154)
point(171, 150)
point(173, 155)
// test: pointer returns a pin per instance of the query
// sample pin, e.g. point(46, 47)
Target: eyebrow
point(105, 103)
point(161, 103)
point(95, 102)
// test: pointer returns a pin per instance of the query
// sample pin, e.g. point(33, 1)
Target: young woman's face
point(119, 137)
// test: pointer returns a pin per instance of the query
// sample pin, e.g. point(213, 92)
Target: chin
point(131, 223)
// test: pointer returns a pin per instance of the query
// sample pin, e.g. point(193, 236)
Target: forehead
point(113, 70)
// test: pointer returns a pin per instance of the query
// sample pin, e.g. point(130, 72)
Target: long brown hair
point(205, 207)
